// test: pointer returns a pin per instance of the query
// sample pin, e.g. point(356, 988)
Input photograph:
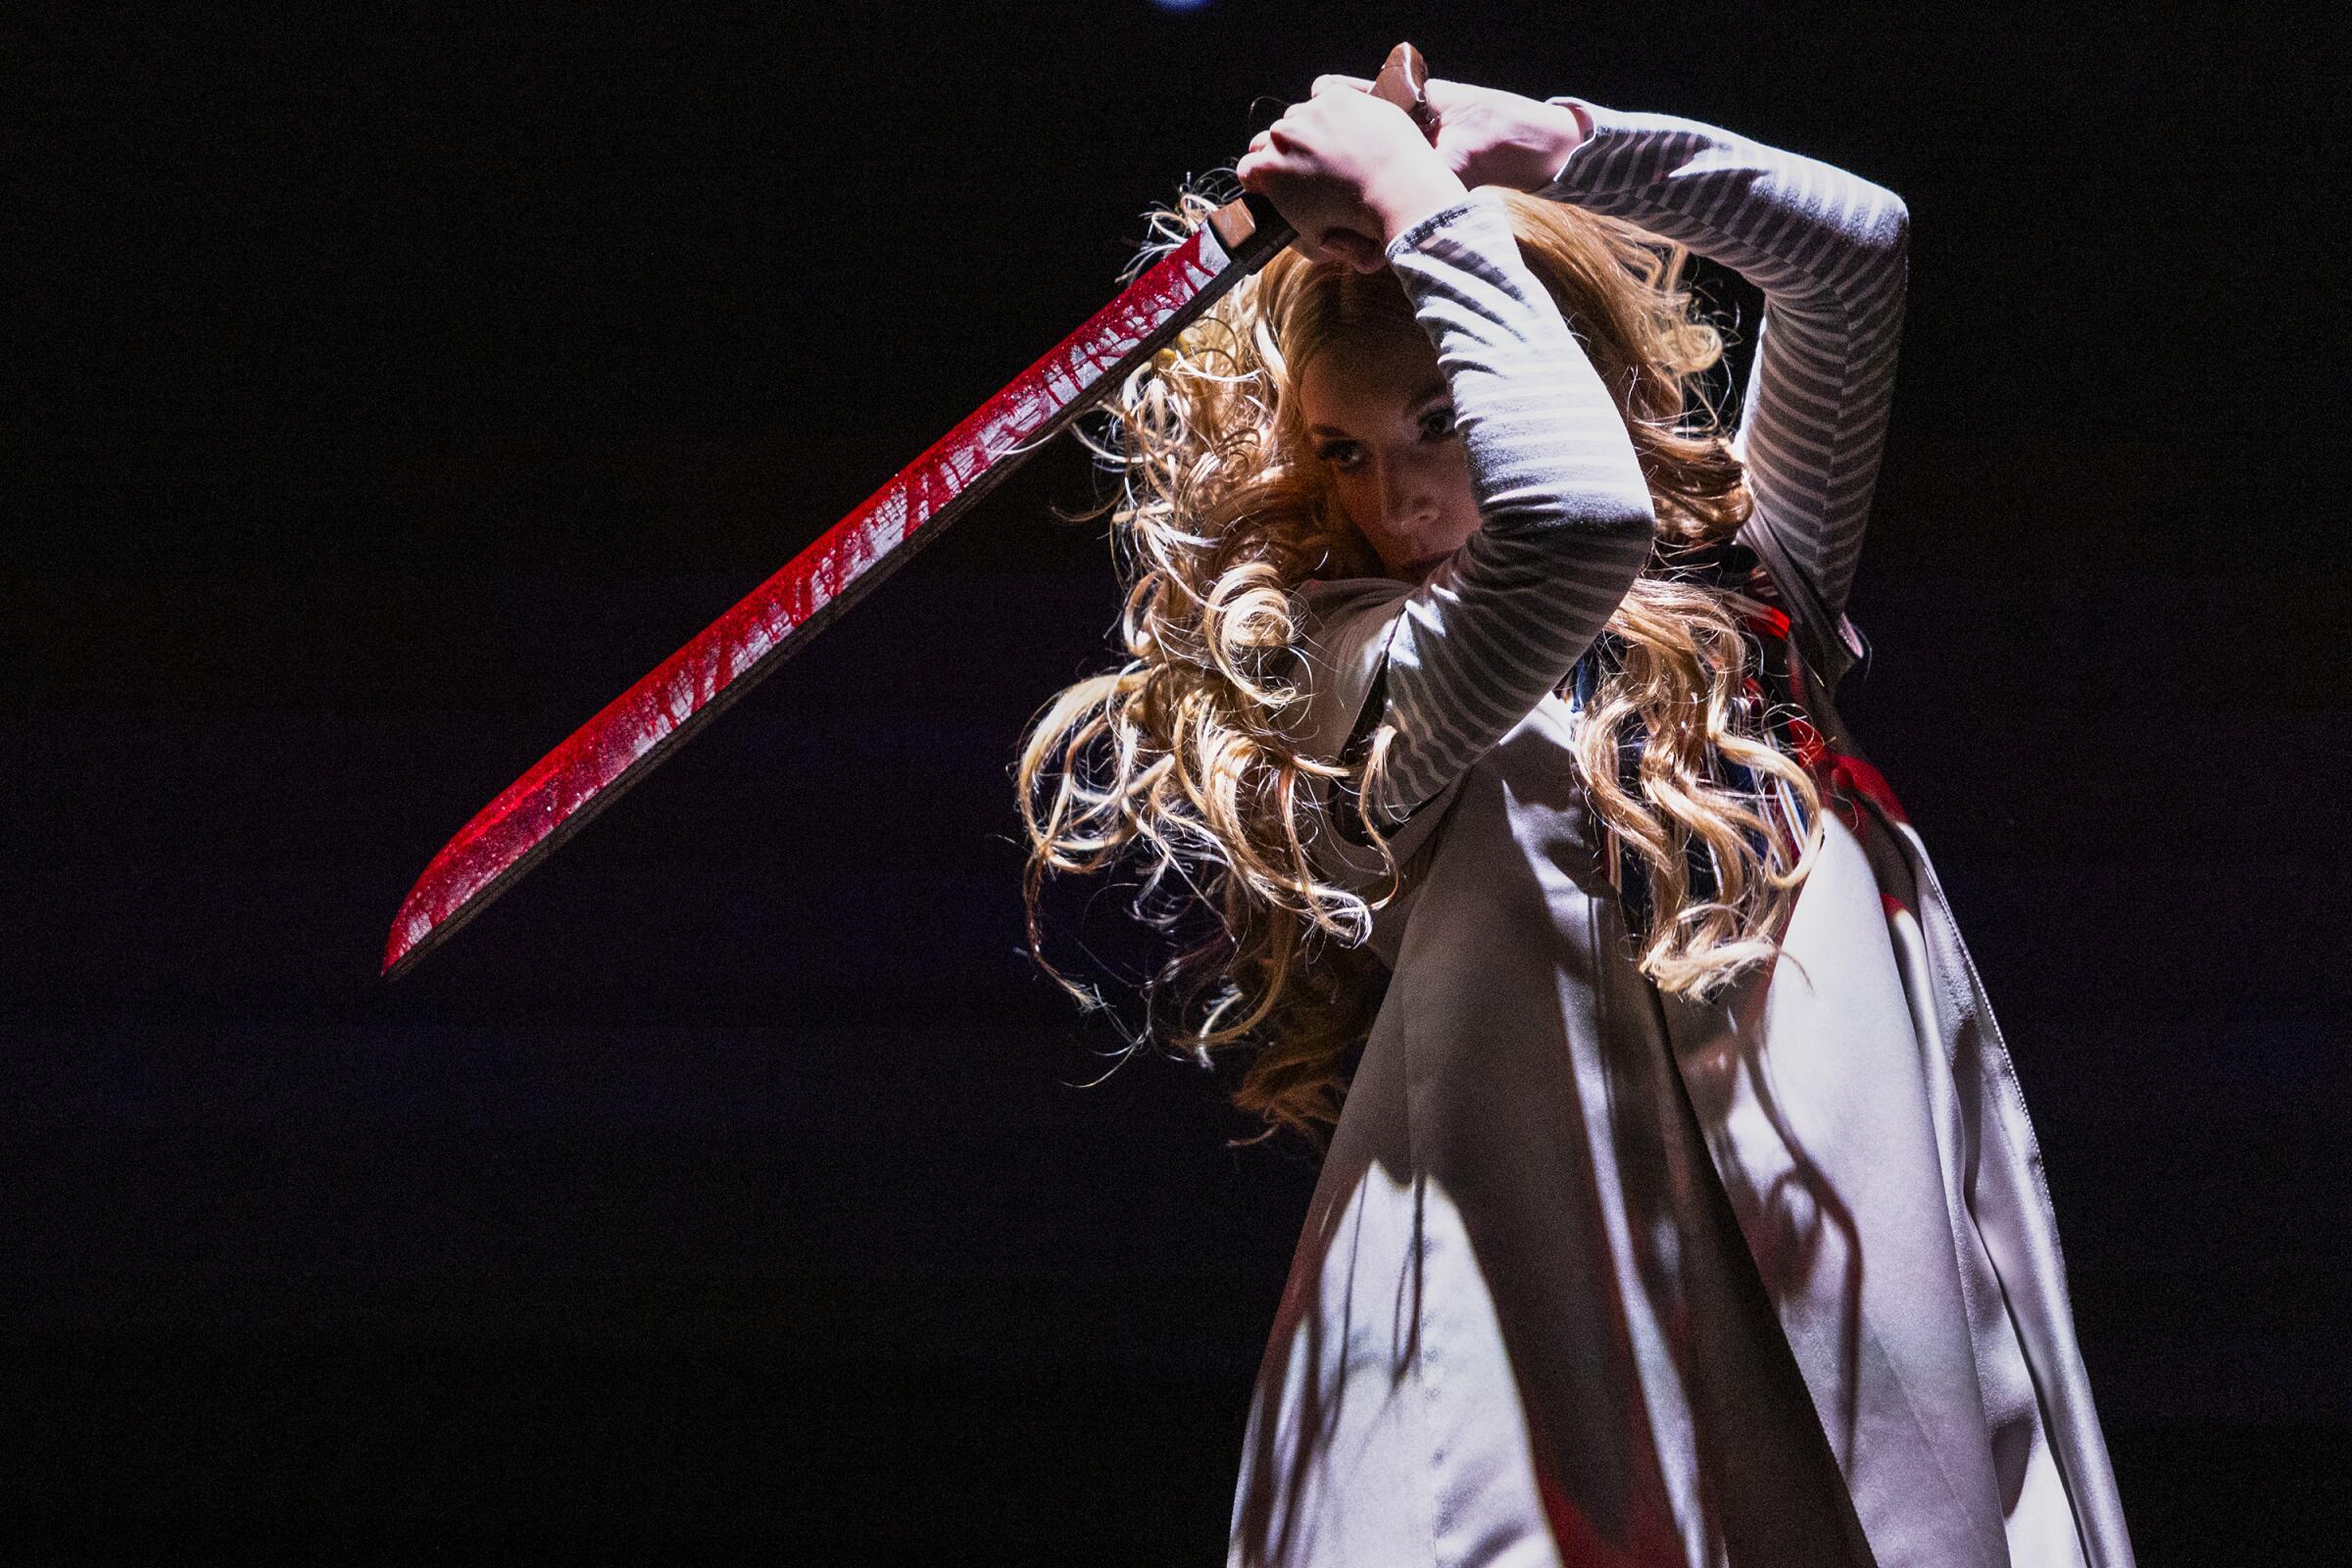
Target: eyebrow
point(1435, 388)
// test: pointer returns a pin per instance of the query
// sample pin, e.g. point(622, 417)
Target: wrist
point(1564, 128)
point(1413, 197)
point(1571, 124)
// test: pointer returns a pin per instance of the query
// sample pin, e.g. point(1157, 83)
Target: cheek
point(1461, 496)
point(1359, 499)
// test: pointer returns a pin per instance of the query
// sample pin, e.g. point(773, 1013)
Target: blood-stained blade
point(628, 740)
point(625, 741)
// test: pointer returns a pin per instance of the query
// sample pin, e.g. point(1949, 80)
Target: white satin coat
point(1596, 1275)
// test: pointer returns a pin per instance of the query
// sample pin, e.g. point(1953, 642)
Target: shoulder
point(1338, 614)
point(1328, 596)
point(1344, 634)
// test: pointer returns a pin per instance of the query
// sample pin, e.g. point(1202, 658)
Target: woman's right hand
point(1490, 137)
point(1350, 172)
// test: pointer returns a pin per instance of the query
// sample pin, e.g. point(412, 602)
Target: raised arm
point(1566, 518)
point(1827, 249)
point(1566, 522)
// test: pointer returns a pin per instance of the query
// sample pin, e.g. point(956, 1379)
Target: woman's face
point(1381, 422)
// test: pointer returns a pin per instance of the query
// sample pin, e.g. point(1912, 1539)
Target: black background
point(387, 395)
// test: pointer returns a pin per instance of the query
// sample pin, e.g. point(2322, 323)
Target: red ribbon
point(1844, 778)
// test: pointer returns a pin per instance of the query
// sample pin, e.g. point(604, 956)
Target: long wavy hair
point(1179, 759)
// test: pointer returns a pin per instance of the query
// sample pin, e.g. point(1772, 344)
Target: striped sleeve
point(1828, 251)
point(1566, 521)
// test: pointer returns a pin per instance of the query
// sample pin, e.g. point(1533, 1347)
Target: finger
point(1336, 84)
point(1313, 247)
point(1356, 249)
point(1267, 163)
point(1344, 246)
point(1263, 159)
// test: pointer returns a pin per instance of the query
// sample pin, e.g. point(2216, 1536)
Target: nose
point(1408, 494)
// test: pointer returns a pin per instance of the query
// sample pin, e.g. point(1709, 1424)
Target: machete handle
point(1403, 81)
point(1249, 227)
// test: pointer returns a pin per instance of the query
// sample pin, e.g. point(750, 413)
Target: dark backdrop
point(388, 395)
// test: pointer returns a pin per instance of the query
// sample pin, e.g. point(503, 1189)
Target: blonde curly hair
point(1179, 755)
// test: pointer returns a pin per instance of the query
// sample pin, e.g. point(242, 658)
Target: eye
point(1341, 454)
point(1438, 424)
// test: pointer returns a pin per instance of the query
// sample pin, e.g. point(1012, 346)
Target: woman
point(1680, 1207)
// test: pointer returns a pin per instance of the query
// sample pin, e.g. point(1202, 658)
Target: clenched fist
point(1490, 137)
point(1350, 172)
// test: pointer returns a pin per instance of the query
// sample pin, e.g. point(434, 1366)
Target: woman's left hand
point(1490, 137)
point(1350, 172)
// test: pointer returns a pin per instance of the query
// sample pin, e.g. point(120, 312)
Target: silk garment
point(1595, 1274)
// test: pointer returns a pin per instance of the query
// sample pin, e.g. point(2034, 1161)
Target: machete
point(642, 726)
